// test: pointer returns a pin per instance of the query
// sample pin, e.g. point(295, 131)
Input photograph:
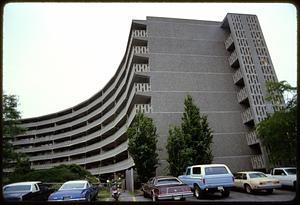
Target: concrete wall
point(190, 58)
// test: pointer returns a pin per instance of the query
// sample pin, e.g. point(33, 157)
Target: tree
point(142, 146)
point(197, 133)
point(11, 128)
point(179, 153)
point(278, 131)
point(191, 143)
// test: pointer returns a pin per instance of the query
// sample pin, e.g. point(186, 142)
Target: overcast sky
point(57, 55)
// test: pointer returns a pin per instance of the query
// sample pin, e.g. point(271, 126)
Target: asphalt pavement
point(235, 195)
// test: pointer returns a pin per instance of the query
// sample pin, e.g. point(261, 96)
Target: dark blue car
point(79, 190)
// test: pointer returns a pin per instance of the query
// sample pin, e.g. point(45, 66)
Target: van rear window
point(215, 170)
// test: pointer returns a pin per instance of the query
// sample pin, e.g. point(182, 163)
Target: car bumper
point(76, 199)
point(262, 187)
point(175, 196)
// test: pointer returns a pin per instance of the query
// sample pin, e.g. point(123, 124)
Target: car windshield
point(167, 181)
point(73, 186)
point(17, 188)
point(291, 171)
point(257, 175)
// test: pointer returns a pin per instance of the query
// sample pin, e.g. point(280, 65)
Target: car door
point(238, 183)
point(281, 176)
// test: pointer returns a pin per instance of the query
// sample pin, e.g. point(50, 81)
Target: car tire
point(248, 188)
point(154, 198)
point(197, 192)
point(225, 193)
point(269, 191)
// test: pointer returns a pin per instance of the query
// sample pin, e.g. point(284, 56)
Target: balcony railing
point(233, 60)
point(251, 138)
point(142, 87)
point(140, 33)
point(229, 43)
point(140, 49)
point(237, 76)
point(242, 95)
point(141, 67)
point(257, 162)
point(247, 116)
point(144, 108)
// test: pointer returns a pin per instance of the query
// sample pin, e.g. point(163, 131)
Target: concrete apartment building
point(224, 66)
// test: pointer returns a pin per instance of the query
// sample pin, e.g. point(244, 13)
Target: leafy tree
point(11, 128)
point(189, 144)
point(179, 153)
point(279, 131)
point(197, 133)
point(142, 146)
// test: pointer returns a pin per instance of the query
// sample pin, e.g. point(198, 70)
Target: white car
point(286, 175)
point(254, 181)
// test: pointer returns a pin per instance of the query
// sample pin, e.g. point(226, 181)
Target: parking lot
point(235, 195)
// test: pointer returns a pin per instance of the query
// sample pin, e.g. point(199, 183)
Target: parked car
point(255, 181)
point(166, 188)
point(287, 176)
point(208, 178)
point(78, 190)
point(26, 191)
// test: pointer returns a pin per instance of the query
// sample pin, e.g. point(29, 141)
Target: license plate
point(177, 198)
point(66, 197)
point(220, 188)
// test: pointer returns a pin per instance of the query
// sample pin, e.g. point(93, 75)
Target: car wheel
point(197, 192)
point(248, 188)
point(154, 198)
point(269, 191)
point(225, 193)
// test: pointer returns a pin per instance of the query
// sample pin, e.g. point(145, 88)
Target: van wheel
point(197, 192)
point(248, 188)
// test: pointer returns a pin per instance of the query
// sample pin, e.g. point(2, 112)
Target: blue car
point(79, 190)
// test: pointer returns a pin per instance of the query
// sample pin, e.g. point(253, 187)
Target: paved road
point(277, 195)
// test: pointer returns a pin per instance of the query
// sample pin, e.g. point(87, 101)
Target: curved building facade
point(223, 65)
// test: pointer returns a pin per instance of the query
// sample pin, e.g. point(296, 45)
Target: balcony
point(141, 67)
point(144, 108)
point(233, 60)
point(140, 33)
point(125, 164)
point(229, 43)
point(140, 50)
point(237, 77)
point(257, 162)
point(251, 138)
point(142, 87)
point(247, 116)
point(242, 95)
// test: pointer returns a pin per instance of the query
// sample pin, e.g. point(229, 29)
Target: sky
point(57, 55)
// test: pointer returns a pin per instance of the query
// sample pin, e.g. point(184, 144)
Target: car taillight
point(187, 188)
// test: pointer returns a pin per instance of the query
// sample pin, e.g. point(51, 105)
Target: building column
point(129, 180)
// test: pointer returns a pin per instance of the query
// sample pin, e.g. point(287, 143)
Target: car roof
point(76, 181)
point(165, 177)
point(208, 165)
point(250, 172)
point(23, 183)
